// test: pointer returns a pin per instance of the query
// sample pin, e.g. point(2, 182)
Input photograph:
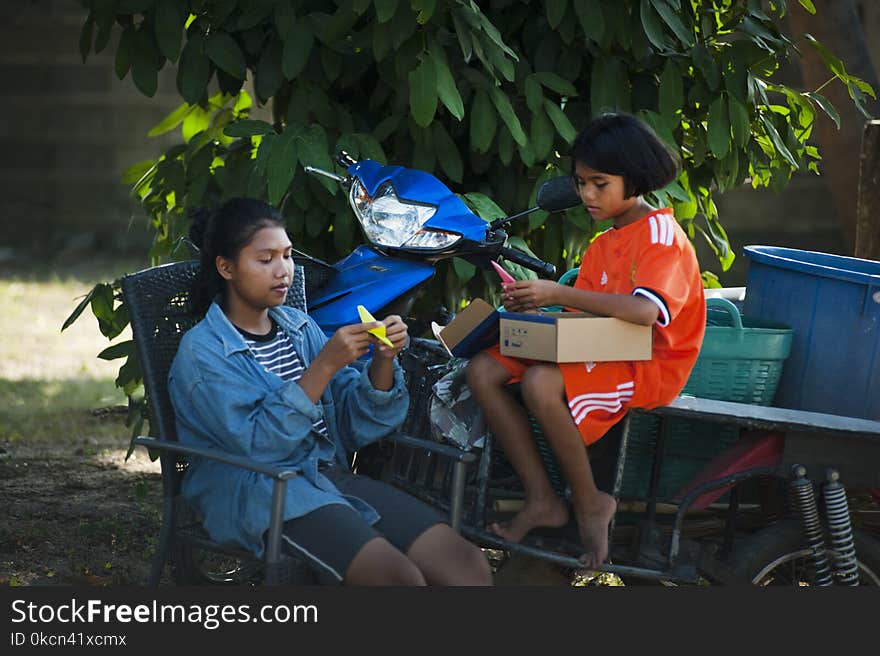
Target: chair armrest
point(435, 447)
point(278, 473)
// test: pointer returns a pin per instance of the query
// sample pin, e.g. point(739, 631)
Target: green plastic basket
point(741, 360)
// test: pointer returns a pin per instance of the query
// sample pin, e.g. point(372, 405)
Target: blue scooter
point(410, 221)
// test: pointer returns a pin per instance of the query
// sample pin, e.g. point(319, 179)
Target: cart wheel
point(776, 555)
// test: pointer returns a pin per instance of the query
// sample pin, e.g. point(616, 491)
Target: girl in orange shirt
point(643, 270)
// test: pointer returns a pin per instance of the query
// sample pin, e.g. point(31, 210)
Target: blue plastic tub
point(833, 304)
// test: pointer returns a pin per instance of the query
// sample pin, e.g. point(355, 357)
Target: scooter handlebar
point(543, 269)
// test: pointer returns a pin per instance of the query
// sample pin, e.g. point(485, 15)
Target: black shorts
point(330, 537)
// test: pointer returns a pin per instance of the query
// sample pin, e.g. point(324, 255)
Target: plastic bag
point(455, 415)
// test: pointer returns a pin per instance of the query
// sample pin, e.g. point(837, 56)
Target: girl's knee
point(380, 563)
point(541, 384)
point(483, 369)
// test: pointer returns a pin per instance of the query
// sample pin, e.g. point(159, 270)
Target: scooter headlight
point(433, 239)
point(389, 221)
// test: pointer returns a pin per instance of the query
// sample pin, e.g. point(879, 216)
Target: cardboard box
point(473, 329)
point(573, 337)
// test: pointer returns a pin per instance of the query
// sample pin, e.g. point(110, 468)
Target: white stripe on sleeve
point(664, 318)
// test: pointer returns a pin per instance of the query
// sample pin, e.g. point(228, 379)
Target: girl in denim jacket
point(260, 379)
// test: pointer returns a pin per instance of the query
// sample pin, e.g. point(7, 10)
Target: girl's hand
point(397, 333)
point(528, 295)
point(347, 345)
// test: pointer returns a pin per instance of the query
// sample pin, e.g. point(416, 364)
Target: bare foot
point(593, 526)
point(551, 513)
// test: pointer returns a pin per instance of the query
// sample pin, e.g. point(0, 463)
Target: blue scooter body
point(365, 277)
point(373, 278)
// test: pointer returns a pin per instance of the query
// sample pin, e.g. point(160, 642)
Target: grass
point(78, 511)
point(52, 382)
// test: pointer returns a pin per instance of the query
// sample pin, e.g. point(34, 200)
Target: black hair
point(621, 144)
point(225, 232)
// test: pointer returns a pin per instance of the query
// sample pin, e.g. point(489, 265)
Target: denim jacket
point(224, 399)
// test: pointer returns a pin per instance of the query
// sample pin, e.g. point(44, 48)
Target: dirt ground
point(82, 515)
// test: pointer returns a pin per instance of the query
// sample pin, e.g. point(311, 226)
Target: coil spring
point(804, 502)
point(843, 556)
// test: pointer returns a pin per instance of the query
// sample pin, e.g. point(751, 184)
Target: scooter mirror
point(558, 194)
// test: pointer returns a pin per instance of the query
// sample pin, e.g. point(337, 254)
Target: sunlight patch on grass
point(32, 346)
point(60, 410)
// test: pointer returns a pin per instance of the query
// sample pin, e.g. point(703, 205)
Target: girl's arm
point(525, 295)
point(369, 399)
point(347, 345)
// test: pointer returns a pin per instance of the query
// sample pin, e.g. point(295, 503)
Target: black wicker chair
point(161, 311)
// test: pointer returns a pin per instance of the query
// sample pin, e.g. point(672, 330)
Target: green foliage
point(488, 96)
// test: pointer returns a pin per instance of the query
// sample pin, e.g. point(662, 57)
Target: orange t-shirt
point(653, 257)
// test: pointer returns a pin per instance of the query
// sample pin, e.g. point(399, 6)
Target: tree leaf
point(671, 91)
point(248, 128)
point(313, 151)
point(86, 36)
point(486, 208)
point(541, 135)
point(808, 5)
point(739, 121)
point(446, 87)
point(447, 153)
point(534, 93)
point(284, 18)
point(78, 310)
point(609, 86)
point(122, 63)
point(171, 121)
point(269, 76)
point(652, 26)
point(120, 350)
point(719, 128)
point(463, 269)
point(707, 66)
point(826, 106)
point(281, 167)
point(463, 34)
point(505, 111)
point(194, 71)
point(225, 53)
point(560, 121)
point(168, 26)
point(136, 171)
point(557, 83)
point(555, 11)
point(423, 93)
point(385, 9)
point(672, 19)
point(197, 120)
point(589, 13)
point(425, 8)
point(484, 122)
point(144, 68)
point(370, 148)
point(297, 48)
point(777, 141)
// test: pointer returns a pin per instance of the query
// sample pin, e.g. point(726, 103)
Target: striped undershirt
point(276, 353)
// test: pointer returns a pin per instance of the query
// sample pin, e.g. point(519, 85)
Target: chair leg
point(273, 550)
point(457, 502)
point(163, 546)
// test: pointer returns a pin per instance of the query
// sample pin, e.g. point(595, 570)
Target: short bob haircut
point(620, 144)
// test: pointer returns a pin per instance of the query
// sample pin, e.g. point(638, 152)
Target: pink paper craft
point(505, 277)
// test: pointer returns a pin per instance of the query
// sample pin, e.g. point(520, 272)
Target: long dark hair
point(621, 144)
point(224, 232)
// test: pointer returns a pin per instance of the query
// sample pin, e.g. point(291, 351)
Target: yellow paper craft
point(379, 332)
